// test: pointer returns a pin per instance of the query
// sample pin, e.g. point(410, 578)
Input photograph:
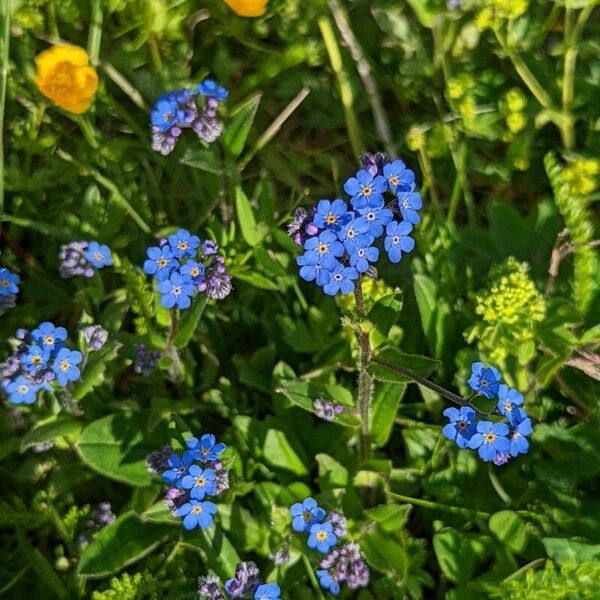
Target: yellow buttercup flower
point(248, 8)
point(65, 76)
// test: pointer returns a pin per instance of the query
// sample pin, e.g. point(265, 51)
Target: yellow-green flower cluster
point(510, 309)
point(581, 176)
point(494, 12)
point(513, 106)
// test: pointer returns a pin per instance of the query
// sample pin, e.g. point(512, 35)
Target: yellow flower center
point(22, 389)
point(331, 219)
point(508, 406)
point(490, 437)
point(4, 283)
point(197, 510)
point(322, 249)
point(64, 365)
point(204, 451)
point(98, 255)
point(367, 190)
point(307, 516)
point(36, 359)
point(200, 481)
point(162, 262)
point(182, 245)
point(49, 340)
point(194, 272)
point(394, 180)
point(321, 536)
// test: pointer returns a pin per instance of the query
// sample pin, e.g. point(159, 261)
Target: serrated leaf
point(119, 545)
point(236, 133)
point(63, 426)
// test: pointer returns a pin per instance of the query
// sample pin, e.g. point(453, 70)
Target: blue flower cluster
point(246, 584)
point(194, 476)
point(81, 259)
point(340, 242)
point(183, 266)
point(9, 288)
point(495, 442)
point(40, 358)
point(178, 110)
point(345, 563)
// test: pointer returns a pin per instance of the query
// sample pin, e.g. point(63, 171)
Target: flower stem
point(176, 369)
point(365, 382)
point(4, 49)
point(467, 512)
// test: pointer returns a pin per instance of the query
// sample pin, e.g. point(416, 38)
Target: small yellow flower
point(248, 8)
point(64, 76)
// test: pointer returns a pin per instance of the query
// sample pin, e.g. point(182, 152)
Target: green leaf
point(385, 313)
point(421, 365)
point(385, 406)
point(563, 550)
point(93, 374)
point(332, 474)
point(426, 294)
point(48, 432)
point(245, 214)
point(455, 555)
point(390, 517)
point(304, 393)
point(119, 545)
point(159, 513)
point(237, 130)
point(426, 10)
point(218, 552)
point(116, 446)
point(510, 529)
point(279, 453)
point(190, 321)
point(384, 554)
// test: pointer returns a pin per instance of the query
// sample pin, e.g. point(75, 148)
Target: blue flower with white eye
point(484, 380)
point(206, 449)
point(49, 337)
point(327, 582)
point(311, 268)
point(509, 400)
point(175, 292)
point(165, 113)
point(321, 537)
point(9, 282)
point(22, 391)
point(355, 234)
point(192, 272)
point(178, 467)
point(183, 243)
point(518, 437)
point(36, 359)
point(200, 481)
point(361, 257)
point(408, 204)
point(324, 246)
point(65, 366)
point(397, 240)
point(365, 187)
point(398, 177)
point(211, 89)
point(98, 255)
point(196, 514)
point(305, 514)
point(160, 263)
point(490, 439)
point(341, 280)
point(331, 215)
point(376, 216)
point(268, 591)
point(462, 425)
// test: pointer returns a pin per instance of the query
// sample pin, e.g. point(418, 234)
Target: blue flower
point(508, 401)
point(361, 257)
point(192, 272)
point(518, 440)
point(49, 337)
point(490, 439)
point(409, 203)
point(175, 292)
point(306, 514)
point(201, 482)
point(206, 449)
point(268, 591)
point(36, 359)
point(321, 537)
point(9, 282)
point(325, 246)
point(311, 268)
point(178, 467)
point(98, 255)
point(196, 514)
point(341, 279)
point(165, 113)
point(65, 366)
point(484, 380)
point(331, 215)
point(22, 391)
point(327, 582)
point(376, 216)
point(365, 187)
point(160, 262)
point(210, 88)
point(462, 425)
point(354, 234)
point(397, 240)
point(183, 243)
point(398, 177)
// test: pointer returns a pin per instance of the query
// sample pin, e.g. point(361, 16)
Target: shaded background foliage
point(504, 168)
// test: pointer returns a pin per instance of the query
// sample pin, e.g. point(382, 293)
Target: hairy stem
point(176, 369)
point(459, 510)
point(365, 382)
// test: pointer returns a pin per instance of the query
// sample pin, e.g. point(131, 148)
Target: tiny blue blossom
point(354, 234)
point(397, 240)
point(398, 177)
point(518, 437)
point(196, 514)
point(331, 215)
point(361, 257)
point(376, 216)
point(490, 439)
point(210, 88)
point(160, 262)
point(192, 272)
point(36, 359)
point(200, 481)
point(178, 467)
point(508, 401)
point(462, 425)
point(48, 336)
point(305, 514)
point(22, 391)
point(98, 255)
point(311, 268)
point(321, 537)
point(365, 187)
point(341, 280)
point(165, 113)
point(325, 246)
point(268, 591)
point(183, 243)
point(327, 582)
point(207, 448)
point(9, 282)
point(408, 205)
point(65, 366)
point(175, 292)
point(485, 380)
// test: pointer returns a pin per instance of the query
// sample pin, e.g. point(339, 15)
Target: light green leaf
point(237, 130)
point(61, 427)
point(190, 321)
point(510, 529)
point(563, 550)
point(93, 374)
point(385, 405)
point(279, 453)
point(245, 214)
point(390, 517)
point(421, 365)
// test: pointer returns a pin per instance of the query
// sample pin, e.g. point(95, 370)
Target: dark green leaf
point(236, 133)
